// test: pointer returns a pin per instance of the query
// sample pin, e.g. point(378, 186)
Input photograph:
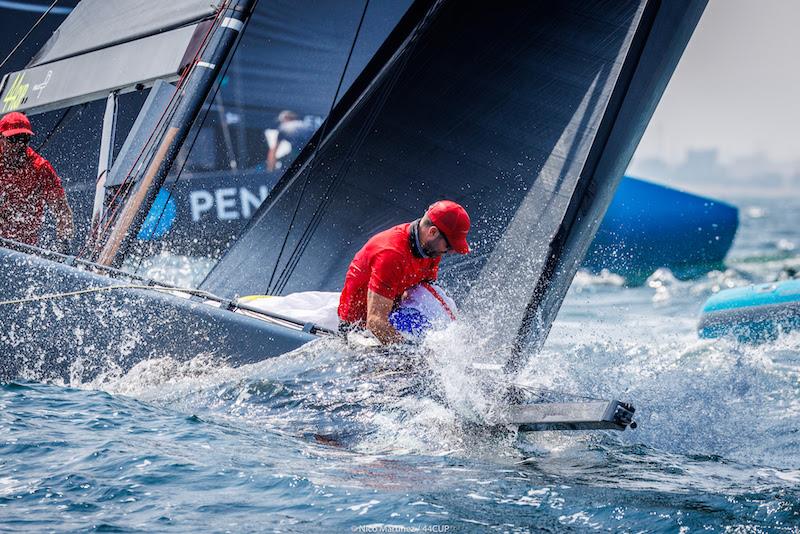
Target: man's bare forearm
point(378, 310)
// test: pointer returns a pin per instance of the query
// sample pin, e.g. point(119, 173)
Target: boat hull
point(752, 314)
point(76, 338)
point(649, 226)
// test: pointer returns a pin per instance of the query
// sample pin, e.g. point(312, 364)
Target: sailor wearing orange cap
point(395, 260)
point(28, 183)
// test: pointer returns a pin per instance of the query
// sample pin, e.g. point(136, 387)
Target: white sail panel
point(96, 24)
point(93, 75)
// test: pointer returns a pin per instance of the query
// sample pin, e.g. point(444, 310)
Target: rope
point(316, 218)
point(319, 212)
point(53, 296)
point(232, 305)
point(316, 148)
point(35, 24)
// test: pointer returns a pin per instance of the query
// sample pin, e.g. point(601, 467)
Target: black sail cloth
point(525, 113)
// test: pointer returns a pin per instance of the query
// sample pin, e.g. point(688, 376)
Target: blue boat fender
point(752, 314)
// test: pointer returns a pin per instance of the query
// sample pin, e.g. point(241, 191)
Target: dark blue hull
point(73, 338)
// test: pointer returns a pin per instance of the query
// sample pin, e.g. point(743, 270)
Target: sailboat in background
point(649, 226)
point(526, 114)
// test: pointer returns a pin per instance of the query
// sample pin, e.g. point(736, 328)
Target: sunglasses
point(19, 139)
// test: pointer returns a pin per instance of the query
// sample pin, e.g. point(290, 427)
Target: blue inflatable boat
point(754, 313)
point(649, 226)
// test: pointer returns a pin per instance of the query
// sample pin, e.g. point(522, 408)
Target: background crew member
point(28, 183)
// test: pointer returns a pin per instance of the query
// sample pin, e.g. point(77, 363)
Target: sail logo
point(39, 87)
point(16, 95)
point(228, 203)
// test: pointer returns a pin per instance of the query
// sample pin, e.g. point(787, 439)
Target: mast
point(199, 82)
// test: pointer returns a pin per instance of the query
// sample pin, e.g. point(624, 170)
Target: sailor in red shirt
point(27, 183)
point(395, 260)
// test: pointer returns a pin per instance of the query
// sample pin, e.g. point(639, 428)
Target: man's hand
point(63, 246)
point(378, 310)
point(63, 215)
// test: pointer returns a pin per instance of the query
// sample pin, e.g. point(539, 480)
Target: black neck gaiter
point(413, 238)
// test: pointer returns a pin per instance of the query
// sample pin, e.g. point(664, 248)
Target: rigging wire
point(127, 183)
point(35, 24)
point(233, 306)
point(60, 124)
point(169, 111)
point(197, 131)
point(327, 196)
point(318, 214)
point(316, 148)
point(66, 294)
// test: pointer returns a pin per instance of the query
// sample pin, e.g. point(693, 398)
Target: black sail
point(524, 112)
point(294, 51)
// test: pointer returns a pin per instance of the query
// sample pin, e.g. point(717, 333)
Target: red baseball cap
point(452, 220)
point(15, 123)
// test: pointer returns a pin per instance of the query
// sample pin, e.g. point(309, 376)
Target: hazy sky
point(737, 87)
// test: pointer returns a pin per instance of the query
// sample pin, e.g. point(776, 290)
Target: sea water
point(328, 439)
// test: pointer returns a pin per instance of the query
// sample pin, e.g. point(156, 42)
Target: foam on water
point(693, 396)
point(370, 402)
point(366, 435)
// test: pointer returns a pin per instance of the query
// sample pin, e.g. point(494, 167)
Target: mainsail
point(525, 113)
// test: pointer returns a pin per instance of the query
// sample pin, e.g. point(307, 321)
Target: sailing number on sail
point(16, 95)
